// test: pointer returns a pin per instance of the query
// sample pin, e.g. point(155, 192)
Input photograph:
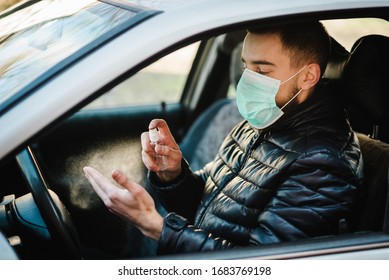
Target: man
point(290, 171)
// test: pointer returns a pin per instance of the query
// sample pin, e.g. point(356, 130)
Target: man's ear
point(311, 77)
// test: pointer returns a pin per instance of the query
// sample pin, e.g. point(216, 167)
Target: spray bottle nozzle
point(154, 135)
point(154, 138)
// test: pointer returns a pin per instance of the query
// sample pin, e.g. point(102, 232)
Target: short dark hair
point(307, 42)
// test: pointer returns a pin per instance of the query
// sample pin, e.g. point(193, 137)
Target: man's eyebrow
point(260, 62)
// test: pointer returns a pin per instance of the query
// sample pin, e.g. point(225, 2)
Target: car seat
point(203, 139)
point(365, 75)
point(368, 93)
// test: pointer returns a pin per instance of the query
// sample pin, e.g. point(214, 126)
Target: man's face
point(264, 54)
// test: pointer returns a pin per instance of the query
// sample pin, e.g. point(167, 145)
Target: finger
point(164, 131)
point(148, 153)
point(157, 123)
point(90, 174)
point(171, 153)
point(102, 182)
point(125, 182)
point(149, 161)
point(146, 146)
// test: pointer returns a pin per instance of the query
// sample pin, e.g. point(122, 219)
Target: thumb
point(164, 130)
point(122, 179)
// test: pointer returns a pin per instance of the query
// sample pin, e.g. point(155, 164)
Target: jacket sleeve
point(183, 194)
point(178, 236)
point(181, 198)
point(318, 192)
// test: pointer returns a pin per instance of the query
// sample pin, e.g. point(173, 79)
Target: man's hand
point(133, 202)
point(166, 147)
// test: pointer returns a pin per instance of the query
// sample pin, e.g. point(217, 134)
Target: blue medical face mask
point(256, 98)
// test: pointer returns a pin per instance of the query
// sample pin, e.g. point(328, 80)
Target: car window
point(347, 31)
point(37, 42)
point(162, 81)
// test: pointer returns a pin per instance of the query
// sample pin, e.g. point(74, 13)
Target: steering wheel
point(53, 212)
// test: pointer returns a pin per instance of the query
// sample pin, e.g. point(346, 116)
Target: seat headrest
point(336, 61)
point(365, 77)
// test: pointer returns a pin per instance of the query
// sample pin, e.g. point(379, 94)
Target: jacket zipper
point(257, 139)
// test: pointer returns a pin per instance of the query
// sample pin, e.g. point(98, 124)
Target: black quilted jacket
point(294, 181)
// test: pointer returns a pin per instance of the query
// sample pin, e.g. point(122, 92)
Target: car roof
point(163, 5)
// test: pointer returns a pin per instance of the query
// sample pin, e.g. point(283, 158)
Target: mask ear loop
point(297, 92)
point(294, 75)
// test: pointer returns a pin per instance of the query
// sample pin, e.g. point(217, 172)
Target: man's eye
point(260, 71)
point(257, 70)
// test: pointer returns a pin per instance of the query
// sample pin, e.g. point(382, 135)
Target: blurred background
point(4, 4)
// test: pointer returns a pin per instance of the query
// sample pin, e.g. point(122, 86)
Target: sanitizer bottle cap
point(154, 135)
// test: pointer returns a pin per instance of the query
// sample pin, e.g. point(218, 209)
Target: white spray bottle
point(154, 138)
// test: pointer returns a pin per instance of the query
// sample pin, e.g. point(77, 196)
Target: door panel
point(106, 135)
point(105, 139)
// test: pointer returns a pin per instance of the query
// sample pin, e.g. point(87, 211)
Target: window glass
point(162, 81)
point(347, 31)
point(37, 38)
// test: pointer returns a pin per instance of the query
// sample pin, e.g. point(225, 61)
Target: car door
point(106, 133)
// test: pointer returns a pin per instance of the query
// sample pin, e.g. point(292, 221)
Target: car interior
point(110, 138)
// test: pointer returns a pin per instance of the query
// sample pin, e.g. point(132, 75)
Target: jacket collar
point(322, 103)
